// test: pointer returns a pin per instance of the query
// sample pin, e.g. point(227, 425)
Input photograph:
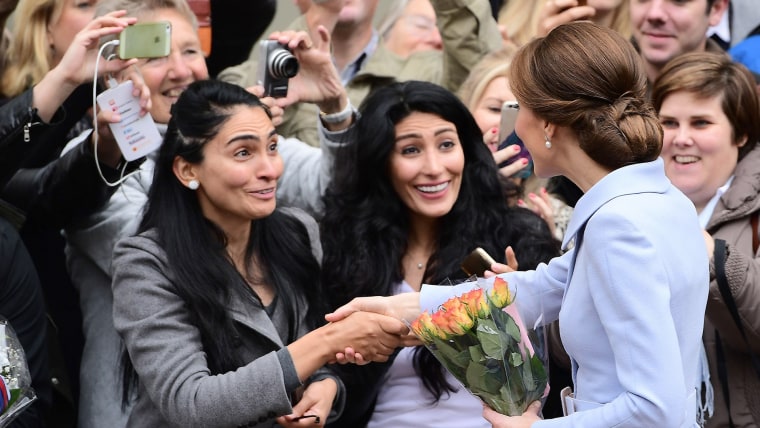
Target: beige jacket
point(468, 31)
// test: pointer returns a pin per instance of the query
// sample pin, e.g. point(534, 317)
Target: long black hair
point(204, 275)
point(365, 228)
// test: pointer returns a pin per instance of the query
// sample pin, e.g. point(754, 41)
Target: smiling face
point(240, 167)
point(426, 164)
point(665, 29)
point(699, 148)
point(167, 77)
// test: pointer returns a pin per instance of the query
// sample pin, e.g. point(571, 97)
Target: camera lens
point(282, 64)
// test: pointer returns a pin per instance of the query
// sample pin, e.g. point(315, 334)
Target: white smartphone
point(509, 111)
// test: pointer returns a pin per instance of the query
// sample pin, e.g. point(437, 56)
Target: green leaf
point(489, 338)
point(446, 349)
point(515, 359)
point(513, 400)
point(476, 354)
point(511, 328)
point(478, 377)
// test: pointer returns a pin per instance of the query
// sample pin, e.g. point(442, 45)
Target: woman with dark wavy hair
point(415, 194)
point(630, 295)
point(217, 298)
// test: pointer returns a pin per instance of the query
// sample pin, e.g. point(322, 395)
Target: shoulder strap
point(725, 292)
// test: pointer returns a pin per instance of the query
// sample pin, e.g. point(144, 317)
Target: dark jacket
point(21, 303)
point(32, 176)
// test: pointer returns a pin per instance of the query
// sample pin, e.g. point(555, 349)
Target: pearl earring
point(548, 143)
point(193, 184)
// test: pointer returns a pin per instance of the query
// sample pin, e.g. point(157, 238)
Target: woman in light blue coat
point(631, 294)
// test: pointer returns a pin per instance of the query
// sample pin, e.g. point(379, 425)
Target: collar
point(722, 30)
point(646, 177)
point(353, 68)
point(704, 216)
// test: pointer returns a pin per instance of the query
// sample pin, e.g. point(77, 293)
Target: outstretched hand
point(404, 306)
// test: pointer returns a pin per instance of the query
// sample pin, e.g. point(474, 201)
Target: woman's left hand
point(498, 420)
point(317, 80)
point(314, 406)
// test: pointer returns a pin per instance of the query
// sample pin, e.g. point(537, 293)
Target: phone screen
point(145, 40)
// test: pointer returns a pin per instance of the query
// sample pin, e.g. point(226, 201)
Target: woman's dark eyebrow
point(417, 135)
point(250, 137)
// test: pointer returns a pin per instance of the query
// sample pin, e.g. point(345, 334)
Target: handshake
point(370, 328)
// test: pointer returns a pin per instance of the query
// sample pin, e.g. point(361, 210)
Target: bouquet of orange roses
point(480, 338)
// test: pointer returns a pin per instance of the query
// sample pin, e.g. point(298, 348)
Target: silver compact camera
point(276, 65)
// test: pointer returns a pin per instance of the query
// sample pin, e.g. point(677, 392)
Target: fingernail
point(494, 130)
point(524, 161)
point(520, 202)
point(515, 148)
point(532, 195)
point(543, 190)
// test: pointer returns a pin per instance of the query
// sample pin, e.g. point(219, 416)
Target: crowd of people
point(260, 268)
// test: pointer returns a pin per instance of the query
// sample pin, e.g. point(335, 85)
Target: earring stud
point(193, 184)
point(548, 143)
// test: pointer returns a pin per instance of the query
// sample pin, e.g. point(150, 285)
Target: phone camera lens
point(282, 64)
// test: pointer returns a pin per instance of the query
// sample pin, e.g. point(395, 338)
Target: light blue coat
point(630, 299)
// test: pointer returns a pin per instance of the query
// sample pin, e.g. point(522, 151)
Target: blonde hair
point(495, 64)
point(29, 55)
point(520, 18)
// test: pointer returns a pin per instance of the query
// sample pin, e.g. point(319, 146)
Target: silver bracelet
point(339, 117)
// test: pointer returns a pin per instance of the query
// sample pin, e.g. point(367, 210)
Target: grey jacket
point(730, 221)
point(175, 387)
point(89, 251)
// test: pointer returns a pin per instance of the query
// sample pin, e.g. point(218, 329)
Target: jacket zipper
point(29, 124)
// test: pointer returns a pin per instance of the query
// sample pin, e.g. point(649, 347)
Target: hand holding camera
point(316, 81)
point(276, 66)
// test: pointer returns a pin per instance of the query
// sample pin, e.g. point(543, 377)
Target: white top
point(403, 400)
